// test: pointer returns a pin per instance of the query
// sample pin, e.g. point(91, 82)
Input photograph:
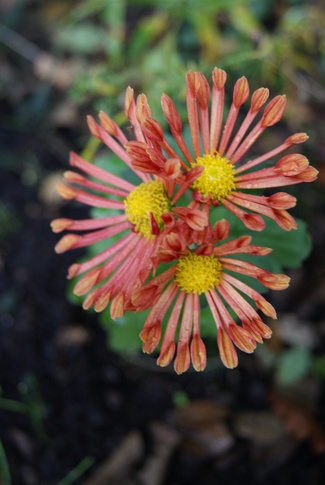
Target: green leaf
point(4, 467)
point(78, 471)
point(293, 364)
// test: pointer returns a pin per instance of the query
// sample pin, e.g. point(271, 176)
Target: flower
point(148, 226)
point(225, 176)
point(125, 264)
point(205, 270)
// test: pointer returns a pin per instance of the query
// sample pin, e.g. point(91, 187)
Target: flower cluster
point(155, 227)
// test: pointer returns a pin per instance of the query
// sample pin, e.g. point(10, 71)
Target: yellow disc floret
point(217, 180)
point(148, 197)
point(198, 273)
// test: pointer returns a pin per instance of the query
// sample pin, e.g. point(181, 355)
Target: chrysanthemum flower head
point(111, 275)
point(153, 227)
point(210, 269)
point(226, 175)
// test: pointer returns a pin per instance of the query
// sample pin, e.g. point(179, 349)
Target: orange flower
point(207, 269)
point(113, 273)
point(224, 173)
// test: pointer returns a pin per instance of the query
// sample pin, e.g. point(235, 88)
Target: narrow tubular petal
point(242, 339)
point(198, 353)
point(271, 181)
point(198, 350)
point(119, 282)
point(77, 269)
point(282, 218)
point(228, 128)
point(95, 236)
point(274, 111)
point(227, 351)
point(238, 335)
point(203, 95)
point(111, 127)
point(130, 111)
point(59, 225)
point(243, 267)
point(192, 175)
point(97, 172)
point(259, 97)
point(260, 301)
point(145, 297)
point(120, 255)
point(175, 124)
point(258, 329)
point(137, 270)
point(264, 173)
point(280, 200)
point(248, 142)
point(274, 281)
point(235, 301)
point(193, 112)
point(241, 133)
point(215, 313)
point(292, 140)
point(111, 288)
point(75, 178)
point(221, 230)
point(155, 317)
point(291, 165)
point(251, 221)
point(69, 193)
point(87, 282)
point(230, 246)
point(240, 96)
point(168, 345)
point(182, 360)
point(196, 219)
point(217, 106)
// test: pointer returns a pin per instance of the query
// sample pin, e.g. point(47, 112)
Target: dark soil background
point(67, 402)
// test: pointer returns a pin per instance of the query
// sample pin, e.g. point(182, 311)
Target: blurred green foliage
point(146, 43)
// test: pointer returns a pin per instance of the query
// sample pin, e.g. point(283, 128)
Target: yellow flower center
point(217, 180)
point(197, 273)
point(148, 197)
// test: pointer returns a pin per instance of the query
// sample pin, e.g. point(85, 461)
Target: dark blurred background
point(72, 410)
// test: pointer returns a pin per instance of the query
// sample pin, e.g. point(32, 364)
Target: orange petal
point(227, 351)
point(183, 359)
point(241, 92)
point(242, 339)
point(59, 225)
point(259, 97)
point(274, 281)
point(150, 337)
point(219, 77)
point(66, 242)
point(198, 353)
point(166, 358)
point(87, 282)
point(117, 306)
point(274, 111)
